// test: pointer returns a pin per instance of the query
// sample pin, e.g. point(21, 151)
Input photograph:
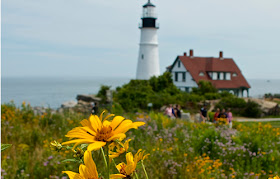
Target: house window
point(176, 76)
point(184, 76)
point(218, 76)
point(201, 74)
point(234, 74)
point(179, 64)
point(142, 56)
point(227, 76)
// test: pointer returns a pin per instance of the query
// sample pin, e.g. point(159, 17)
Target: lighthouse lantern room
point(148, 58)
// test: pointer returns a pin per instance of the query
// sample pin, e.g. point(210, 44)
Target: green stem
point(136, 175)
point(144, 169)
point(108, 159)
point(104, 157)
point(114, 162)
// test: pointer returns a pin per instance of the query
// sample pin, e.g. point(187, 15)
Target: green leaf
point(5, 146)
point(70, 160)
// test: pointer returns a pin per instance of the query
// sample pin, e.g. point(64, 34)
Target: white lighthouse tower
point(148, 59)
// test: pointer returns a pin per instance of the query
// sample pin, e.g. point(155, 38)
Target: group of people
point(173, 111)
point(218, 114)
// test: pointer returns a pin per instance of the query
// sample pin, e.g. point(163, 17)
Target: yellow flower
point(140, 155)
point(97, 132)
point(126, 170)
point(85, 171)
point(121, 148)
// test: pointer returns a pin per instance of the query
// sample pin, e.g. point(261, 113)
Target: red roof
point(195, 65)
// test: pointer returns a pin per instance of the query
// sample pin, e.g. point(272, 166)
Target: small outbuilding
point(222, 72)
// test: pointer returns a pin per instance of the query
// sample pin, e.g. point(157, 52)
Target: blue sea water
point(53, 91)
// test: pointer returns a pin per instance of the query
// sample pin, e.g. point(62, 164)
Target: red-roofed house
point(222, 72)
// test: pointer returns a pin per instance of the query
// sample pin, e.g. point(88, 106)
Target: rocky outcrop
point(88, 98)
point(267, 107)
point(84, 104)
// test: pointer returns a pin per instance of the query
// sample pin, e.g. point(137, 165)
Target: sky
point(97, 38)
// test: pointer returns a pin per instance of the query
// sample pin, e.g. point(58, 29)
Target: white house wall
point(189, 82)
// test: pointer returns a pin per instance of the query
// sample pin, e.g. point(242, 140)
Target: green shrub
point(252, 109)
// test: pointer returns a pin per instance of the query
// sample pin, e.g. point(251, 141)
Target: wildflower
point(85, 171)
point(126, 170)
point(98, 132)
point(140, 155)
point(56, 145)
point(121, 148)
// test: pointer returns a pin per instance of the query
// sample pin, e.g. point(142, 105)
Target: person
point(203, 114)
point(229, 117)
point(177, 111)
point(223, 114)
point(168, 111)
point(216, 115)
point(94, 109)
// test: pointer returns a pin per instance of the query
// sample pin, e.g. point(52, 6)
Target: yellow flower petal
point(73, 175)
point(106, 123)
point(83, 170)
point(110, 115)
point(113, 176)
point(117, 136)
point(96, 145)
point(95, 122)
point(90, 164)
point(116, 121)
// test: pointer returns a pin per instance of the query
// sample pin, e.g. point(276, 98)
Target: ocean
point(52, 92)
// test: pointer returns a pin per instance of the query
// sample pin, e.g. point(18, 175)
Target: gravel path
point(257, 120)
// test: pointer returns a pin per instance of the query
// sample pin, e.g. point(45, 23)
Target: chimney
point(221, 54)
point(191, 52)
point(185, 54)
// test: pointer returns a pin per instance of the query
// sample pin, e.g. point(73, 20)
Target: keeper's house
point(222, 72)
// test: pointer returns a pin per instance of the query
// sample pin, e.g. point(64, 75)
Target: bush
point(204, 87)
point(236, 104)
point(102, 93)
point(252, 109)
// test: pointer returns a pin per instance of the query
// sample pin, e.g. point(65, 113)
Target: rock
point(87, 98)
point(69, 104)
point(186, 116)
point(266, 106)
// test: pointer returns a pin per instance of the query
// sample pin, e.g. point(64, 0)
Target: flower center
point(104, 134)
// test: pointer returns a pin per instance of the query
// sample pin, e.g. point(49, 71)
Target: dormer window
point(201, 74)
point(234, 74)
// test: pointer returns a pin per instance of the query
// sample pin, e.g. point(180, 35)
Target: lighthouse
point(148, 58)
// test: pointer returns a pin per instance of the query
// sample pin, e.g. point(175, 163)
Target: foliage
point(236, 104)
point(135, 94)
point(138, 93)
point(269, 95)
point(240, 107)
point(102, 93)
point(252, 109)
point(5, 146)
point(204, 87)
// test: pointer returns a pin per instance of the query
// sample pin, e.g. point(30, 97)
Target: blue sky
point(100, 38)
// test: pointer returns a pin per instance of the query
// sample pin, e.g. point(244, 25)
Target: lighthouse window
point(142, 56)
